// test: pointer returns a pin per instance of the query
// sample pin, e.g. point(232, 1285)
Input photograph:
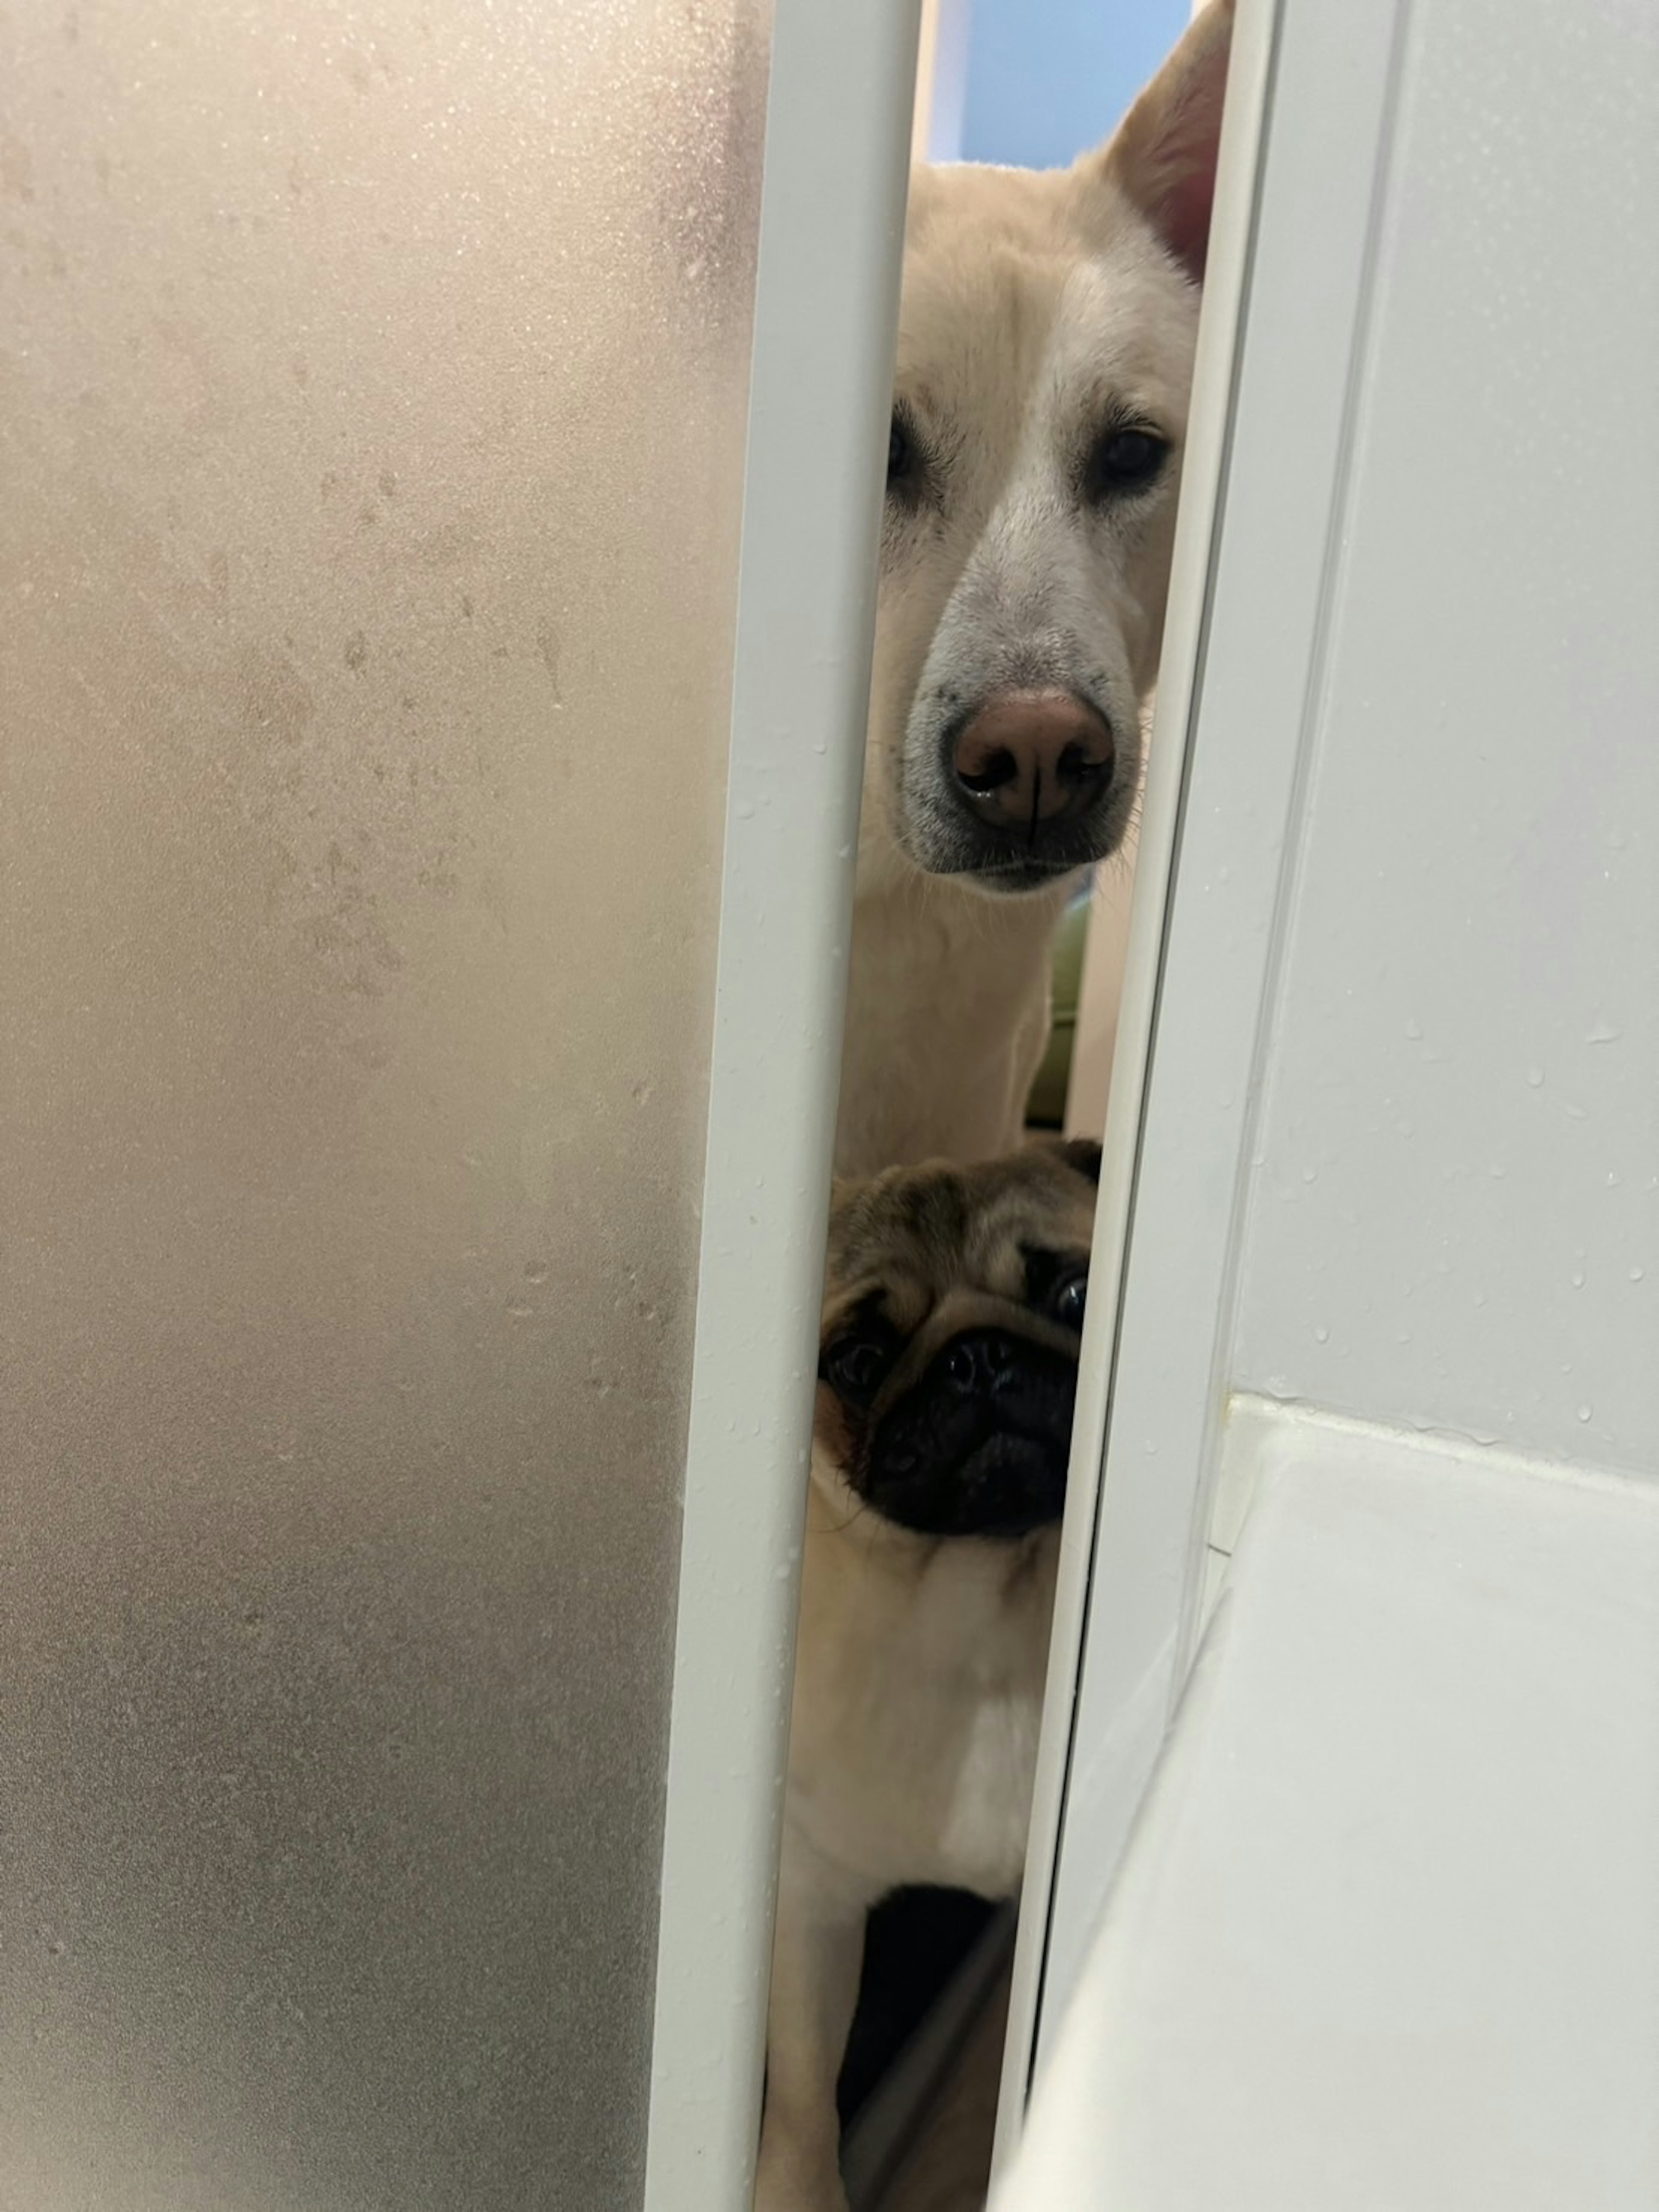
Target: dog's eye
point(903, 458)
point(855, 1364)
point(1124, 461)
point(1069, 1296)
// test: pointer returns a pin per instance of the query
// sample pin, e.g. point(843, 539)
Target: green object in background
point(1045, 1108)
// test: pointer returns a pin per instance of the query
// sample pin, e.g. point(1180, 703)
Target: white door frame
point(1259, 532)
point(839, 116)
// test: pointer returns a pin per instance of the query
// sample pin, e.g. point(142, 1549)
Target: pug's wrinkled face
point(947, 1365)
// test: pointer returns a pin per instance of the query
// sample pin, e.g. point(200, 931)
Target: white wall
point(1453, 1217)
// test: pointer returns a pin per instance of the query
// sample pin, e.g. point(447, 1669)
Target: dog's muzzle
point(978, 1447)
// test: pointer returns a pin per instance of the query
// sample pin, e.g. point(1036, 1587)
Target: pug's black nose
point(983, 1360)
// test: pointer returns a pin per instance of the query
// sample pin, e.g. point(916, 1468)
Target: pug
point(947, 1374)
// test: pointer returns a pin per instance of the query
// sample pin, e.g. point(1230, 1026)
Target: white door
point(1341, 1889)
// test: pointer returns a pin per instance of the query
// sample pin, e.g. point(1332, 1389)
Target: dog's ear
point(1163, 155)
point(844, 1190)
point(1082, 1154)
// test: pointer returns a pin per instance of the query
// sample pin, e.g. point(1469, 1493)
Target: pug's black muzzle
point(978, 1447)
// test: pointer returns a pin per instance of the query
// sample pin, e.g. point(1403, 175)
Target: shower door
point(376, 681)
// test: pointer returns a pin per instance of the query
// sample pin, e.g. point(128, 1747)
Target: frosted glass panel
point(372, 404)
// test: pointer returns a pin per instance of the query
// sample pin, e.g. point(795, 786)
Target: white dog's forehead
point(1025, 304)
point(1122, 335)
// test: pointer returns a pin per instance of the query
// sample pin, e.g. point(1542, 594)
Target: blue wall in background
point(1042, 80)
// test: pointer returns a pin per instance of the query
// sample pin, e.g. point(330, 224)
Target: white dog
point(1046, 334)
point(1047, 330)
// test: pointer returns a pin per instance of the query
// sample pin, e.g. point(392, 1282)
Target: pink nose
point(1032, 756)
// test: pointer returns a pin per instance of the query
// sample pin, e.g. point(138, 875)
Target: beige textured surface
point(372, 407)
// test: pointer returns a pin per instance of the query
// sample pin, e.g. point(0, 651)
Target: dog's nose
point(983, 1360)
point(1030, 756)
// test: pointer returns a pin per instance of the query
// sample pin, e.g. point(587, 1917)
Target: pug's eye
point(855, 1365)
point(1123, 461)
point(1069, 1296)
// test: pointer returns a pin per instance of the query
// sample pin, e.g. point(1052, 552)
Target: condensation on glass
point(374, 388)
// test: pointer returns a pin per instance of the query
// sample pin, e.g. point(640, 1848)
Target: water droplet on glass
point(535, 1271)
point(519, 1309)
point(1636, 1274)
point(1534, 1078)
point(1584, 1413)
point(1603, 1033)
point(1414, 1028)
point(745, 809)
point(1311, 1174)
point(1321, 1334)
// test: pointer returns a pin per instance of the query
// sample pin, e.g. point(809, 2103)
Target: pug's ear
point(1081, 1154)
point(1163, 156)
point(845, 1191)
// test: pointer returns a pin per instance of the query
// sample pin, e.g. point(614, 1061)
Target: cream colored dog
point(947, 1371)
point(1047, 330)
point(1046, 325)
